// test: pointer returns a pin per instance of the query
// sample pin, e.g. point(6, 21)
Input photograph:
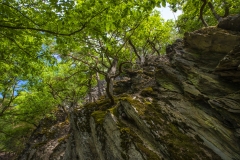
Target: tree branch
point(226, 9)
point(22, 14)
point(134, 49)
point(52, 32)
point(217, 16)
point(11, 39)
point(120, 69)
point(153, 46)
point(4, 108)
point(88, 64)
point(201, 13)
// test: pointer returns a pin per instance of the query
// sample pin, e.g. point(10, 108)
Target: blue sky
point(166, 13)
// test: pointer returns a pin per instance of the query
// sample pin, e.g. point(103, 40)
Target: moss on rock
point(113, 111)
point(99, 116)
point(64, 138)
point(148, 92)
point(179, 145)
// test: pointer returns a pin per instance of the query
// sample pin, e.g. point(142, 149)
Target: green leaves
point(190, 19)
point(164, 3)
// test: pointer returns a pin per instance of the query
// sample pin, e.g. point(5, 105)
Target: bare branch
point(153, 46)
point(217, 16)
point(134, 49)
point(120, 69)
point(201, 13)
point(226, 9)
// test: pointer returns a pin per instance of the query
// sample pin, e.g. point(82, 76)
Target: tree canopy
point(200, 13)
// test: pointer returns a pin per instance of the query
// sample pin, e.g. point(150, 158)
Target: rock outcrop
point(230, 23)
point(48, 141)
point(181, 106)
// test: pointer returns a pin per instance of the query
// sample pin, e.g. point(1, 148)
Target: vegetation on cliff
point(53, 54)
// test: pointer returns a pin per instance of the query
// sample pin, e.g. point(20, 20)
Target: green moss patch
point(128, 137)
point(148, 92)
point(135, 103)
point(125, 141)
point(99, 116)
point(194, 78)
point(64, 138)
point(114, 111)
point(101, 104)
point(168, 81)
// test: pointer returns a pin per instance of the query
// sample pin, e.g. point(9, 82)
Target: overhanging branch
point(201, 13)
point(49, 31)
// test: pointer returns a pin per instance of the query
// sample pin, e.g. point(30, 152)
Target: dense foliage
point(52, 52)
point(200, 13)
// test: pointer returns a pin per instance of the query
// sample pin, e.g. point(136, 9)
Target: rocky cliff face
point(184, 105)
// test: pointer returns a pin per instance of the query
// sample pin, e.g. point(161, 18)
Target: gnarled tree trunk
point(109, 77)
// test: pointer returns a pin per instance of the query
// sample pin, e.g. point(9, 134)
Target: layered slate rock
point(212, 39)
point(49, 140)
point(229, 66)
point(181, 106)
point(230, 23)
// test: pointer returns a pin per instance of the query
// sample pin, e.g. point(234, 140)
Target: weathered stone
point(231, 22)
point(49, 140)
point(212, 39)
point(228, 67)
point(231, 61)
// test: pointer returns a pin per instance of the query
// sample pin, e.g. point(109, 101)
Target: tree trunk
point(90, 99)
point(110, 79)
point(99, 85)
point(201, 13)
point(109, 91)
point(90, 88)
